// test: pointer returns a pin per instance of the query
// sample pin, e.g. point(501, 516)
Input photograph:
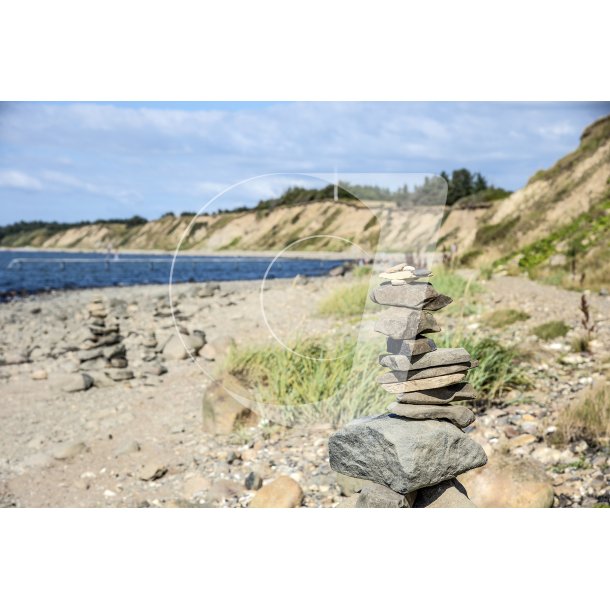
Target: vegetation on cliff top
point(594, 136)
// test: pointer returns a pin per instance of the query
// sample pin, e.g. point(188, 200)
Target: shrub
point(587, 419)
point(580, 344)
point(505, 317)
point(470, 256)
point(551, 330)
point(486, 234)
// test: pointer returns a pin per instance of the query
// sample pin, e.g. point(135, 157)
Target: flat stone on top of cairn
point(419, 444)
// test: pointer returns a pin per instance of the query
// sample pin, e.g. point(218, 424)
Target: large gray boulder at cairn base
point(403, 454)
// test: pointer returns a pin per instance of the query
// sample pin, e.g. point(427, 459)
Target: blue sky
point(82, 161)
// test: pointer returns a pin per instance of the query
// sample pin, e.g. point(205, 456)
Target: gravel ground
point(140, 442)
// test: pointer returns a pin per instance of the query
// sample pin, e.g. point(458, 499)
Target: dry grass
point(504, 317)
point(551, 330)
point(587, 419)
point(346, 301)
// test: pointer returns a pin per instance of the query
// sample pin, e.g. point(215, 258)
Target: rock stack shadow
point(410, 456)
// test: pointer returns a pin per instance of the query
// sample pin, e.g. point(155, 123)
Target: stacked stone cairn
point(411, 455)
point(102, 349)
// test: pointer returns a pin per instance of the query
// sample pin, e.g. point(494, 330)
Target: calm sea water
point(39, 271)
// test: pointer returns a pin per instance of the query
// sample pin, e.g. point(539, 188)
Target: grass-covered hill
point(556, 228)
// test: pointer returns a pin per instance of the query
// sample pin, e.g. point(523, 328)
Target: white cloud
point(71, 183)
point(99, 158)
point(14, 179)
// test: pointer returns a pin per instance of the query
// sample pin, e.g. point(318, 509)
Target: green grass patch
point(452, 284)
point(498, 370)
point(325, 380)
point(551, 330)
point(334, 380)
point(487, 234)
point(345, 301)
point(362, 271)
point(587, 419)
point(588, 231)
point(504, 317)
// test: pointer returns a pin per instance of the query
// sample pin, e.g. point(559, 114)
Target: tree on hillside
point(463, 183)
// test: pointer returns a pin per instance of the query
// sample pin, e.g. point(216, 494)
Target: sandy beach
point(140, 442)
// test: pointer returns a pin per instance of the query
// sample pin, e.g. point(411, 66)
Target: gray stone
point(111, 339)
point(418, 295)
point(152, 471)
point(114, 351)
point(406, 325)
point(88, 354)
point(127, 447)
point(69, 450)
point(100, 380)
point(439, 357)
point(93, 365)
point(434, 371)
point(118, 363)
point(150, 340)
point(374, 495)
point(179, 347)
point(119, 374)
point(39, 375)
point(74, 382)
point(410, 347)
point(154, 369)
point(403, 454)
point(439, 396)
point(460, 416)
point(14, 358)
point(218, 348)
point(418, 385)
point(253, 481)
point(448, 494)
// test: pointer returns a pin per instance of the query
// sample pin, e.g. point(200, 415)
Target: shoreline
point(9, 297)
point(303, 254)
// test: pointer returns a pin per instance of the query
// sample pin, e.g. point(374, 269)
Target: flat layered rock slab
point(439, 396)
point(403, 454)
point(407, 325)
point(439, 357)
point(435, 371)
point(418, 295)
point(411, 347)
point(456, 414)
point(417, 385)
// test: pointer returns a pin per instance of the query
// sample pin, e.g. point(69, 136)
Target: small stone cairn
point(410, 456)
point(102, 347)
